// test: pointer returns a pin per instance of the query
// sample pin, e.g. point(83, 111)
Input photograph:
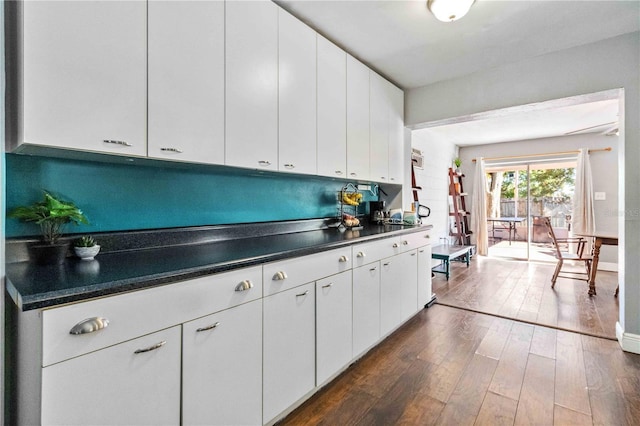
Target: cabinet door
point(357, 119)
point(366, 307)
point(409, 285)
point(222, 367)
point(84, 75)
point(379, 128)
point(296, 95)
point(251, 107)
point(333, 325)
point(289, 348)
point(136, 382)
point(425, 293)
point(186, 81)
point(398, 159)
point(390, 294)
point(332, 109)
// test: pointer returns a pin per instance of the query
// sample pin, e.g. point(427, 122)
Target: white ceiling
point(404, 42)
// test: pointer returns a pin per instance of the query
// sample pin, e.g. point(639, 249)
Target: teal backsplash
point(120, 197)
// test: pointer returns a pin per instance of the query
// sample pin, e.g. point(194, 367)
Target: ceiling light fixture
point(449, 10)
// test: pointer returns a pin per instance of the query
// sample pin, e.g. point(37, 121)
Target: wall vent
point(417, 158)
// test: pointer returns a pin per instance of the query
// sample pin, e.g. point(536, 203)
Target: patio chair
point(563, 255)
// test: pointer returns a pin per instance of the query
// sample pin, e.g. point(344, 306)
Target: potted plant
point(51, 215)
point(457, 162)
point(86, 248)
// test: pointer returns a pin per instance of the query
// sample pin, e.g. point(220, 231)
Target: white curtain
point(479, 209)
point(584, 219)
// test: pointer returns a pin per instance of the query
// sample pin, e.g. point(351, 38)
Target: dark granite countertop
point(35, 287)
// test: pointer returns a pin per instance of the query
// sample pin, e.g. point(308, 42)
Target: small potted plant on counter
point(86, 248)
point(51, 215)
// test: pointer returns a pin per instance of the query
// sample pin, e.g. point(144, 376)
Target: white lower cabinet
point(134, 382)
point(398, 290)
point(333, 325)
point(222, 367)
point(366, 307)
point(289, 348)
point(425, 292)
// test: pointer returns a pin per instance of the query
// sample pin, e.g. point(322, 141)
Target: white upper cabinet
point(357, 119)
point(332, 109)
point(387, 131)
point(296, 95)
point(398, 160)
point(251, 110)
point(379, 128)
point(186, 81)
point(84, 75)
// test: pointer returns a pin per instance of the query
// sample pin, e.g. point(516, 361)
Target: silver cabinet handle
point(113, 142)
point(343, 259)
point(405, 243)
point(383, 178)
point(89, 325)
point(392, 178)
point(373, 269)
point(327, 285)
point(386, 264)
point(289, 166)
point(176, 150)
point(279, 276)
point(338, 172)
point(361, 254)
point(151, 348)
point(421, 251)
point(264, 163)
point(413, 254)
point(244, 285)
point(207, 328)
point(353, 174)
point(427, 236)
point(302, 294)
point(395, 245)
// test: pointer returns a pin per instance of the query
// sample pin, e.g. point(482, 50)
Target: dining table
point(599, 238)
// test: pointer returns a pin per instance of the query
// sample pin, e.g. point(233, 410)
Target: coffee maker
point(376, 211)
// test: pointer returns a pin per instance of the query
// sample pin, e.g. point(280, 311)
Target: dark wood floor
point(522, 290)
point(448, 366)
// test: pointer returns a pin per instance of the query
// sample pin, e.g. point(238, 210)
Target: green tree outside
point(558, 183)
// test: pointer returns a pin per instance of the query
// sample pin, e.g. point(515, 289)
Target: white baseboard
point(628, 341)
point(608, 266)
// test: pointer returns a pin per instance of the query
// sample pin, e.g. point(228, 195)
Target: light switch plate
point(599, 196)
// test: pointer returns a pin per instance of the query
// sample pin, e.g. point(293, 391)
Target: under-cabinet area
point(245, 346)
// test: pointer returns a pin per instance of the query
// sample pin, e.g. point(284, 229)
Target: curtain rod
point(511, 157)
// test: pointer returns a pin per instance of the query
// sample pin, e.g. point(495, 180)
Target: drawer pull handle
point(338, 172)
point(405, 243)
point(264, 163)
point(150, 348)
point(343, 259)
point(327, 285)
point(421, 251)
point(413, 254)
point(244, 285)
point(302, 294)
point(395, 245)
point(289, 166)
point(386, 264)
point(121, 143)
point(373, 269)
point(361, 254)
point(89, 325)
point(176, 150)
point(353, 174)
point(427, 236)
point(207, 328)
point(279, 276)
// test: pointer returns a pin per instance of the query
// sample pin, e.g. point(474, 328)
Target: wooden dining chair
point(563, 255)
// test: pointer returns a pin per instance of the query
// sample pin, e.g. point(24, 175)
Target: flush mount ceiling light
point(449, 10)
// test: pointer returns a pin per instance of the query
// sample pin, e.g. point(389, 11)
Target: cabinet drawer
point(413, 241)
point(286, 274)
point(373, 251)
point(142, 312)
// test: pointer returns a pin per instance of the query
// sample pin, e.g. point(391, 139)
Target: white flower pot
point(87, 253)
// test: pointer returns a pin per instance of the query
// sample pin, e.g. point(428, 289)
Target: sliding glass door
point(519, 196)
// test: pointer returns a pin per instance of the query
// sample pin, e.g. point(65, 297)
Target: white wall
point(605, 65)
point(604, 169)
point(434, 179)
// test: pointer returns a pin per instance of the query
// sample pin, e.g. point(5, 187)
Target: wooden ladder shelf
point(460, 230)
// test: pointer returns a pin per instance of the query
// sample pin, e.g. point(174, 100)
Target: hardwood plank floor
point(522, 290)
point(450, 366)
